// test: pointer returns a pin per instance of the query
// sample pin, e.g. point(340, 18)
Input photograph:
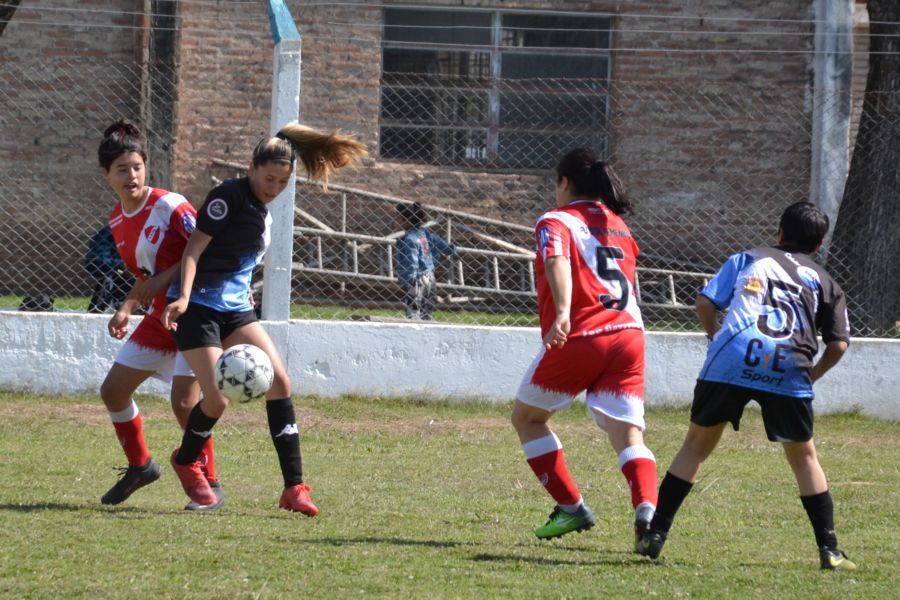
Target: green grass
point(428, 500)
point(79, 303)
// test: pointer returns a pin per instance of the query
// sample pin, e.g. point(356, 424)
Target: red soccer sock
point(545, 457)
point(639, 468)
point(208, 460)
point(130, 431)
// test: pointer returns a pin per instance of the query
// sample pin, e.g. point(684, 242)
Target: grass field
point(424, 500)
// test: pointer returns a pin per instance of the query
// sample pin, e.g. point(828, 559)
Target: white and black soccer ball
point(244, 372)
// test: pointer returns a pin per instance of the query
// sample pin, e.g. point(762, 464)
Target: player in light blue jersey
point(778, 299)
point(211, 309)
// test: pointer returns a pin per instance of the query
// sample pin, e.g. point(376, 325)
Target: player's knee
point(525, 418)
point(182, 405)
point(281, 385)
point(110, 393)
point(215, 404)
point(519, 418)
point(800, 454)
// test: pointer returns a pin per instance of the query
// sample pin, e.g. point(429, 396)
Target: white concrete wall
point(57, 353)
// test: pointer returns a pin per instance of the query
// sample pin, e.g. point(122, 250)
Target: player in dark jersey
point(777, 299)
point(593, 341)
point(212, 307)
point(150, 228)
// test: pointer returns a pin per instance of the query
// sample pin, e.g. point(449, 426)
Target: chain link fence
point(710, 168)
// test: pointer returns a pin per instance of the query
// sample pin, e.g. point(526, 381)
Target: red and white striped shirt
point(602, 255)
point(152, 238)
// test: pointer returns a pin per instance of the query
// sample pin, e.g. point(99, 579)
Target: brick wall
point(61, 87)
point(671, 136)
point(722, 132)
point(224, 89)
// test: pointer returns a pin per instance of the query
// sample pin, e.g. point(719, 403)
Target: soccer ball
point(244, 372)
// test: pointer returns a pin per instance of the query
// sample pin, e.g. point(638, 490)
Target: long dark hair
point(321, 153)
point(593, 178)
point(122, 137)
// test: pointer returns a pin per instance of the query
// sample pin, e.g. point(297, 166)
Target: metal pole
point(285, 108)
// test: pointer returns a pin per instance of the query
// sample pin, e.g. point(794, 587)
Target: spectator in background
point(103, 263)
point(419, 251)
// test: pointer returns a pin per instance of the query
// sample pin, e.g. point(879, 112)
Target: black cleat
point(133, 478)
point(833, 559)
point(650, 544)
point(643, 514)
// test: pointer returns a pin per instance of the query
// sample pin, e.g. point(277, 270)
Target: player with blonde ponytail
point(321, 153)
point(211, 308)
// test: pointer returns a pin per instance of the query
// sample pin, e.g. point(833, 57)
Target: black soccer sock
point(286, 437)
point(198, 429)
point(672, 492)
point(820, 510)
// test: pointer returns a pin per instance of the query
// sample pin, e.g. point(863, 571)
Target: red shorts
point(151, 334)
point(610, 367)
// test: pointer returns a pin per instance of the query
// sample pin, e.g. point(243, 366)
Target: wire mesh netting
point(473, 136)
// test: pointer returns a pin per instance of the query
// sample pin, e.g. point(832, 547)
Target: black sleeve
point(215, 214)
point(832, 318)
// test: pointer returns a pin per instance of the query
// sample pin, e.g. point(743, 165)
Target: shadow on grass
point(389, 541)
point(40, 506)
point(130, 512)
point(623, 560)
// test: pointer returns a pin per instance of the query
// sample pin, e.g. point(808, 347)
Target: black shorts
point(786, 418)
point(204, 327)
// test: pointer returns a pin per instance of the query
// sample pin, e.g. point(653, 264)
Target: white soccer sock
point(632, 452)
point(126, 415)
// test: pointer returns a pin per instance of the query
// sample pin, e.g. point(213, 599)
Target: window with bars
point(492, 88)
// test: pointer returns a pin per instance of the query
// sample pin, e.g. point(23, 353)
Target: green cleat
point(561, 522)
point(833, 559)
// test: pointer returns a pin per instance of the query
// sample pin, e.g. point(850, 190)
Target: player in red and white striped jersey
point(150, 227)
point(593, 340)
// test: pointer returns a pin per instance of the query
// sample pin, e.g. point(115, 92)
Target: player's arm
point(118, 323)
point(833, 353)
point(833, 322)
point(706, 314)
point(718, 292)
point(192, 251)
point(440, 245)
point(559, 277)
point(145, 291)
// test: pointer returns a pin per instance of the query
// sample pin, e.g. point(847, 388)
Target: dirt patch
point(309, 419)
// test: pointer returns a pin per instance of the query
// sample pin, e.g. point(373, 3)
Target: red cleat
point(195, 485)
point(296, 499)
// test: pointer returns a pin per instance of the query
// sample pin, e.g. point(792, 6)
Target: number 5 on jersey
point(612, 277)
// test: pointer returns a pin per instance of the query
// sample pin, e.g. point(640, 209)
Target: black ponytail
point(122, 137)
point(593, 178)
